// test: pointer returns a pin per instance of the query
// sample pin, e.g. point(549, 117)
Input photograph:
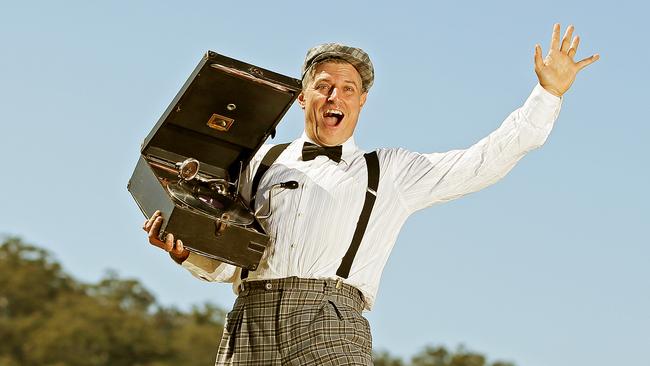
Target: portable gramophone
point(191, 160)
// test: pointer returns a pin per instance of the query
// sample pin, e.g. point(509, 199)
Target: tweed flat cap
point(355, 56)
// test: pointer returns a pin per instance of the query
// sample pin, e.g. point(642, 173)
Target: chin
point(331, 141)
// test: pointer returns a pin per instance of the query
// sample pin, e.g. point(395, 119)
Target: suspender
point(266, 163)
point(372, 164)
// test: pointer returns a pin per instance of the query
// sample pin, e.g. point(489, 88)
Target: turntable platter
point(215, 205)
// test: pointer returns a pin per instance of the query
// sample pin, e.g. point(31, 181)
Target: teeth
point(334, 112)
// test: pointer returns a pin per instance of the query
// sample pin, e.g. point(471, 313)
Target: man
point(303, 305)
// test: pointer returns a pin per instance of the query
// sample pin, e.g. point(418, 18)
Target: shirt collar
point(349, 147)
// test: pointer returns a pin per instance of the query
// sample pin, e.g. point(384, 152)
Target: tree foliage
point(49, 318)
point(438, 356)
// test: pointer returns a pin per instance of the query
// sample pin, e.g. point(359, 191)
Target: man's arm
point(426, 179)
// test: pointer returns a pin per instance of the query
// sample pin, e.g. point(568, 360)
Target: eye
point(322, 87)
point(348, 89)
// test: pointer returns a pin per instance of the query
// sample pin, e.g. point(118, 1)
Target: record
point(218, 206)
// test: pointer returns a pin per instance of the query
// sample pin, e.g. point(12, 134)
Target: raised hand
point(557, 71)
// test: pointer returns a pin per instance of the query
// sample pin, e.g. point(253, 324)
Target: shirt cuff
point(542, 108)
point(196, 261)
point(545, 94)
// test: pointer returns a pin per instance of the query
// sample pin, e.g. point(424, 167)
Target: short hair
point(311, 72)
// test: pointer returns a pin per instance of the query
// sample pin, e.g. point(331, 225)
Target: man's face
point(332, 102)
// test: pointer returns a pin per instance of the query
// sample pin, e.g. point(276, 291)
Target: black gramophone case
point(220, 117)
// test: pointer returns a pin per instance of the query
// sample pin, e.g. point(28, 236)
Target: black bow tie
point(311, 151)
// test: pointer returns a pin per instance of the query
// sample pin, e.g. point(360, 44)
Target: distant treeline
point(49, 318)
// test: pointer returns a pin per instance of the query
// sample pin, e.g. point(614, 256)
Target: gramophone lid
point(223, 113)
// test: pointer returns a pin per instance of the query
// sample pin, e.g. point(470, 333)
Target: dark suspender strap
point(266, 163)
point(372, 164)
point(268, 159)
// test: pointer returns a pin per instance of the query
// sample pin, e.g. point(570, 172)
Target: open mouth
point(333, 117)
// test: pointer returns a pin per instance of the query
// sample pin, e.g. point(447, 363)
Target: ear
point(301, 100)
point(363, 98)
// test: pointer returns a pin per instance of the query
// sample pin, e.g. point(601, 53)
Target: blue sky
point(549, 266)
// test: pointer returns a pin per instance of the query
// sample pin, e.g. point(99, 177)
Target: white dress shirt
point(311, 227)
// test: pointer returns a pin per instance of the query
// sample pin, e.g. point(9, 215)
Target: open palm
point(557, 71)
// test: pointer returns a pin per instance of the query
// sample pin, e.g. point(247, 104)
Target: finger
point(154, 231)
point(149, 221)
point(566, 39)
point(147, 224)
point(587, 61)
point(169, 242)
point(574, 46)
point(178, 248)
point(539, 63)
point(555, 38)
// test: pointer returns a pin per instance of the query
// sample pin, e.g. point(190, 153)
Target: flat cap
point(355, 56)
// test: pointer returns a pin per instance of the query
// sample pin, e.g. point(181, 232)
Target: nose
point(334, 94)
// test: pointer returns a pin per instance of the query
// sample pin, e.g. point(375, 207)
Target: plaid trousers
point(296, 322)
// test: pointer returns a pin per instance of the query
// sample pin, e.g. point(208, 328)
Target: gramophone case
point(218, 120)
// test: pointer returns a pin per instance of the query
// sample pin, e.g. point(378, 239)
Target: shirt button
point(268, 286)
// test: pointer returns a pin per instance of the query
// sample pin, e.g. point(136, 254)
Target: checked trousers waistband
point(296, 321)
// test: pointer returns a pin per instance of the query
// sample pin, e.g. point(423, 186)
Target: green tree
point(80, 330)
point(48, 318)
point(197, 336)
point(29, 279)
point(127, 294)
point(437, 356)
point(383, 358)
point(440, 356)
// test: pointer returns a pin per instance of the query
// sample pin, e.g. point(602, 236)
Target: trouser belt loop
point(243, 288)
